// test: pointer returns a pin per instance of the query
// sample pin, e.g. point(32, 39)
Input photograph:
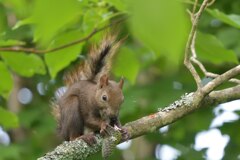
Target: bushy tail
point(98, 62)
point(55, 106)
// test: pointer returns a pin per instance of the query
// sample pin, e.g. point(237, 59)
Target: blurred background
point(151, 60)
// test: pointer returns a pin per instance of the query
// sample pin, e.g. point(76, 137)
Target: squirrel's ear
point(121, 82)
point(103, 81)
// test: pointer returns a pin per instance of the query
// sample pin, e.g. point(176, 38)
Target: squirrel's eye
point(104, 98)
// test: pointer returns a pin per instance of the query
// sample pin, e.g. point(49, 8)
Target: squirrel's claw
point(117, 128)
point(125, 134)
point(104, 131)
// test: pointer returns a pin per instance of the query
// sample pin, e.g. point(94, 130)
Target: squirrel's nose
point(113, 120)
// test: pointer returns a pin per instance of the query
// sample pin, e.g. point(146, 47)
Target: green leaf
point(19, 7)
point(229, 37)
point(118, 4)
point(126, 59)
point(11, 42)
point(58, 60)
point(8, 119)
point(209, 48)
point(96, 17)
point(162, 26)
point(22, 23)
point(24, 64)
point(91, 19)
point(6, 81)
point(52, 16)
point(12, 151)
point(3, 19)
point(232, 19)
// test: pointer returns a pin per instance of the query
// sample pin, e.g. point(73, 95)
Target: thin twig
point(194, 53)
point(194, 7)
point(211, 3)
point(191, 40)
point(210, 74)
point(220, 79)
point(228, 94)
point(34, 50)
point(194, 74)
point(194, 59)
point(193, 29)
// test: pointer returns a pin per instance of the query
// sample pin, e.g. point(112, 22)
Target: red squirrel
point(91, 100)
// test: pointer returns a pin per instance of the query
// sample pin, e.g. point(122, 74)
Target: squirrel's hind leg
point(72, 125)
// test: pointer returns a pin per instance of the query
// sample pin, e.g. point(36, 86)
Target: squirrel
point(91, 100)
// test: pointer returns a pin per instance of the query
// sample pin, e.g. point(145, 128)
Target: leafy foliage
point(128, 56)
point(64, 59)
point(24, 64)
point(46, 28)
point(11, 42)
point(6, 82)
point(163, 37)
point(233, 19)
point(8, 119)
point(211, 49)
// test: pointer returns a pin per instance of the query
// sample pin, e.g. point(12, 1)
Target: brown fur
point(91, 99)
point(98, 62)
point(82, 106)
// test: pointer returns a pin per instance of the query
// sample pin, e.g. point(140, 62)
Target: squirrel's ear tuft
point(103, 81)
point(121, 82)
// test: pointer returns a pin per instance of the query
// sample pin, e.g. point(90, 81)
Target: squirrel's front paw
point(125, 134)
point(104, 131)
point(123, 131)
point(89, 139)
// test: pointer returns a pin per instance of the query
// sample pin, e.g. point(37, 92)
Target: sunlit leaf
point(10, 152)
point(11, 42)
point(58, 60)
point(6, 81)
point(22, 23)
point(162, 26)
point(8, 119)
point(20, 7)
point(95, 18)
point(232, 19)
point(210, 49)
point(91, 20)
point(51, 16)
point(24, 64)
point(3, 19)
point(126, 64)
point(119, 4)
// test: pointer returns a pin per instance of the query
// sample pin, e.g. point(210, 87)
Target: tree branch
point(78, 149)
point(204, 96)
point(190, 52)
point(194, 7)
point(210, 74)
point(225, 95)
point(36, 51)
point(220, 79)
point(191, 41)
